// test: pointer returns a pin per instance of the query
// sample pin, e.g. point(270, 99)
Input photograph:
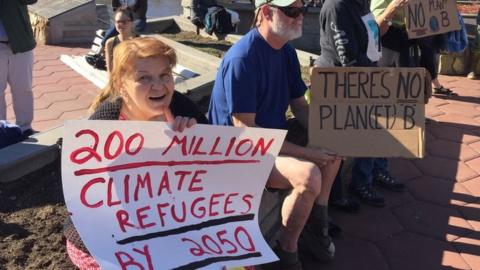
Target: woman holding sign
point(355, 43)
point(397, 47)
point(140, 88)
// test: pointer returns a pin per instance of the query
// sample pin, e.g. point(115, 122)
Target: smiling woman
point(141, 85)
point(140, 88)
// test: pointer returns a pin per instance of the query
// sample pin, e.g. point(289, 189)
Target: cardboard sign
point(430, 17)
point(368, 112)
point(145, 197)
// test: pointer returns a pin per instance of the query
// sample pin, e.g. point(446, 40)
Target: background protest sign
point(430, 17)
point(142, 196)
point(368, 112)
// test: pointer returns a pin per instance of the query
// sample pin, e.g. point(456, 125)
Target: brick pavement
point(435, 224)
point(59, 92)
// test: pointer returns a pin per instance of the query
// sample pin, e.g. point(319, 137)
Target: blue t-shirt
point(256, 78)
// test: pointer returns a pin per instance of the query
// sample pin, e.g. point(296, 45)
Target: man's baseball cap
point(278, 3)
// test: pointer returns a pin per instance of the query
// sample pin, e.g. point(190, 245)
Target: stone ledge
point(25, 157)
point(185, 25)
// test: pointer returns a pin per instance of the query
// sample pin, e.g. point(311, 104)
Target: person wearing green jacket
point(16, 61)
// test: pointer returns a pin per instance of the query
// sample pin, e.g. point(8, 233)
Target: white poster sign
point(145, 197)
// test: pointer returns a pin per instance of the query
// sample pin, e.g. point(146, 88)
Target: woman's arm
point(109, 53)
point(384, 19)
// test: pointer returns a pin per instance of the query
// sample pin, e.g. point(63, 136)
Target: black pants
point(398, 48)
point(428, 60)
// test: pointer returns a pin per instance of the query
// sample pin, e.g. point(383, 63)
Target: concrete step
point(25, 157)
point(79, 34)
point(103, 16)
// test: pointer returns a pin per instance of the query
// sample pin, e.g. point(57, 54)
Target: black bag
point(198, 10)
point(9, 134)
point(218, 21)
point(97, 61)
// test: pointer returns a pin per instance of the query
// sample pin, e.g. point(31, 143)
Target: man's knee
point(309, 181)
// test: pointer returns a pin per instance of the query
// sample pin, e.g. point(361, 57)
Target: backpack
point(218, 21)
point(198, 10)
point(457, 41)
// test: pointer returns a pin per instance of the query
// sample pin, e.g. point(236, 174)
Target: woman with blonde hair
point(140, 88)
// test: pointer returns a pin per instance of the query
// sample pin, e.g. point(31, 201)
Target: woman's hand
point(178, 123)
point(398, 4)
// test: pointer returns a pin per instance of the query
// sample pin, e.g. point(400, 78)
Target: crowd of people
point(258, 79)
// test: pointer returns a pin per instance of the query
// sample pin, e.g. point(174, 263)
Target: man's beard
point(284, 30)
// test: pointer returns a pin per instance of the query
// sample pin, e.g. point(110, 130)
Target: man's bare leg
point(329, 172)
point(304, 178)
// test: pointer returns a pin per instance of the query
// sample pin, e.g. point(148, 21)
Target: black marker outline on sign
point(188, 228)
point(203, 263)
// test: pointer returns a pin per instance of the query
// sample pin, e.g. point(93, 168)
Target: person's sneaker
point(345, 204)
point(368, 195)
point(287, 260)
point(386, 181)
point(317, 244)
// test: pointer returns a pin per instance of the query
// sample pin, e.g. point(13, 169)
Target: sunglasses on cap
point(292, 12)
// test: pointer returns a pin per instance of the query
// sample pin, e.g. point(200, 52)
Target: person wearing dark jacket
point(140, 88)
point(16, 61)
point(348, 42)
point(355, 43)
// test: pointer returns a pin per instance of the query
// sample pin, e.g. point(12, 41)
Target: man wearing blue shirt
point(258, 79)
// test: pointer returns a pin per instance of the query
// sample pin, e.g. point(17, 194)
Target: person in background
point(429, 48)
point(473, 74)
point(397, 49)
point(355, 43)
point(257, 80)
point(124, 26)
point(390, 18)
point(139, 9)
point(140, 88)
point(16, 61)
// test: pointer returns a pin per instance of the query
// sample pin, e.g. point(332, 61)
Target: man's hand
point(322, 156)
